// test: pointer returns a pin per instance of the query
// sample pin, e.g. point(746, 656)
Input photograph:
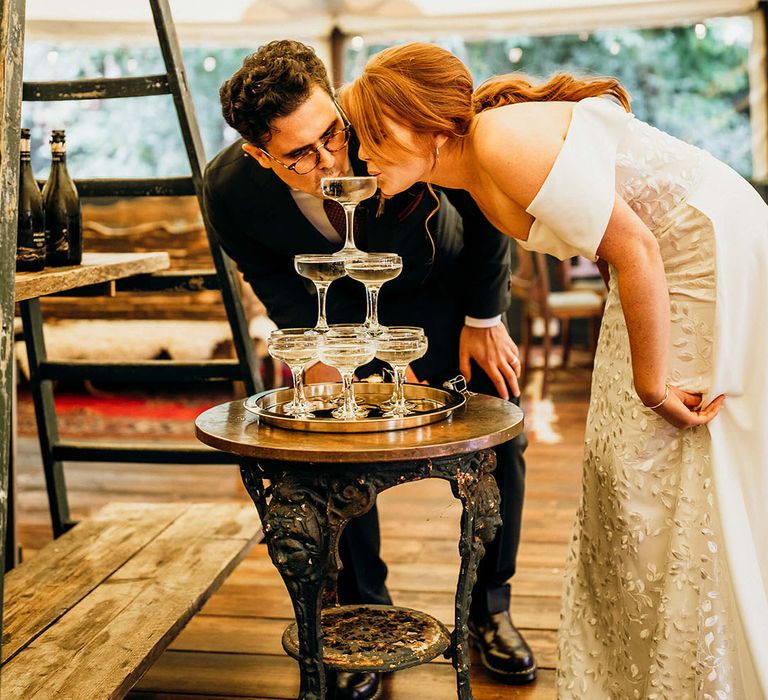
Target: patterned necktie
point(335, 213)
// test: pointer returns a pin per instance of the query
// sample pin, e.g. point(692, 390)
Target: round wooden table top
point(485, 421)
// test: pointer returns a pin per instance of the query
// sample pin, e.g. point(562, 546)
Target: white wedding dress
point(667, 579)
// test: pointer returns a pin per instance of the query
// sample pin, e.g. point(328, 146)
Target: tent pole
point(337, 41)
point(758, 92)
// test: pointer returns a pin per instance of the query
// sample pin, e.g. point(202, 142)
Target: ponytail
point(513, 88)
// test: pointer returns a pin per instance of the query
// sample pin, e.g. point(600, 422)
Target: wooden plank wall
point(11, 51)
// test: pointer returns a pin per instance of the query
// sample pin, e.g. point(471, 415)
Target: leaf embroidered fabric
point(648, 611)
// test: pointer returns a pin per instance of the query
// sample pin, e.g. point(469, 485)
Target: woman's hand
point(683, 408)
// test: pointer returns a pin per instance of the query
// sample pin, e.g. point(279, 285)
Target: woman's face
point(402, 168)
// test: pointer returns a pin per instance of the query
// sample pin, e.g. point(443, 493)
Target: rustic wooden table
point(96, 268)
point(318, 481)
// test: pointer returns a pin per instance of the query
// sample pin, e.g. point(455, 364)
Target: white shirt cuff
point(482, 322)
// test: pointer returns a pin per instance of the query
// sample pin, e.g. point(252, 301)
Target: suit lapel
point(279, 215)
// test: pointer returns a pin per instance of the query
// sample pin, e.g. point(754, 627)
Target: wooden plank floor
point(231, 649)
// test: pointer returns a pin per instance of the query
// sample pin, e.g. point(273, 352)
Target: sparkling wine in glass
point(322, 270)
point(398, 346)
point(373, 270)
point(297, 347)
point(349, 192)
point(346, 348)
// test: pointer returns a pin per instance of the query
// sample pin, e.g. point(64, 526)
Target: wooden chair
point(530, 282)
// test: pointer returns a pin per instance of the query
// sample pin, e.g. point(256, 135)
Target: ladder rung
point(171, 281)
point(135, 453)
point(134, 187)
point(96, 88)
point(149, 187)
point(147, 371)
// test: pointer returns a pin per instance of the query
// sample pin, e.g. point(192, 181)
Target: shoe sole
point(523, 677)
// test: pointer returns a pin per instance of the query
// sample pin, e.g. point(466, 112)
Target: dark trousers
point(362, 580)
point(491, 592)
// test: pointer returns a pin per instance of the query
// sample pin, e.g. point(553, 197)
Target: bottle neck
point(25, 148)
point(58, 151)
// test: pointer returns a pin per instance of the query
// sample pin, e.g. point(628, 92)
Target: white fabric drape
point(398, 19)
point(740, 432)
point(250, 21)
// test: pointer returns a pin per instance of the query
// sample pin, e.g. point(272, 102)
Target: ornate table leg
point(298, 544)
point(475, 486)
point(303, 519)
point(294, 528)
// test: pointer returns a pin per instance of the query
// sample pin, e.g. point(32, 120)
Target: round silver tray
point(431, 405)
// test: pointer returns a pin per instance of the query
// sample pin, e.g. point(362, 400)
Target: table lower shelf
point(381, 638)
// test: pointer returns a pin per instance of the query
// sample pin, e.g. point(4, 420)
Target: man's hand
point(320, 373)
point(495, 352)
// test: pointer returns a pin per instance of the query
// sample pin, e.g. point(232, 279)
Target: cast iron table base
point(304, 509)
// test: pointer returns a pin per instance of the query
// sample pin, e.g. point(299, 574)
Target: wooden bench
point(90, 612)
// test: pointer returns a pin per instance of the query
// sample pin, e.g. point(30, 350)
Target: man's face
point(295, 134)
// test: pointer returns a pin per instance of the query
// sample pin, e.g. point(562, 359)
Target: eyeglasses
point(311, 159)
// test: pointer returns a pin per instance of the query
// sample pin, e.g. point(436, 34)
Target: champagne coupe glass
point(349, 191)
point(373, 270)
point(346, 348)
point(398, 346)
point(297, 347)
point(322, 270)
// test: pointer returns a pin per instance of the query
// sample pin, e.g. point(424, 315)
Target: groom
point(262, 200)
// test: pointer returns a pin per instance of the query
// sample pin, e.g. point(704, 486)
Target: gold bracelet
point(666, 396)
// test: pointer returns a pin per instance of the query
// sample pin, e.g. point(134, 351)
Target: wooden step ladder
point(44, 372)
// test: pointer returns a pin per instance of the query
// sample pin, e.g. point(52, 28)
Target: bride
point(667, 576)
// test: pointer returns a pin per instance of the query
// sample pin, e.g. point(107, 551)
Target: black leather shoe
point(358, 686)
point(503, 651)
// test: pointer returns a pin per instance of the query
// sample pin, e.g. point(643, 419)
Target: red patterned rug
point(98, 415)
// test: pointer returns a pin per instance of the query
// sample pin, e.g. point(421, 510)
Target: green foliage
point(137, 137)
point(694, 86)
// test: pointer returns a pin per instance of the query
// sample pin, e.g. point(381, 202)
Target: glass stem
point(349, 394)
point(298, 386)
point(372, 318)
point(322, 290)
point(398, 400)
point(349, 212)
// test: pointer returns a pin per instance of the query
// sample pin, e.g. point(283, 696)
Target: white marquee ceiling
point(250, 21)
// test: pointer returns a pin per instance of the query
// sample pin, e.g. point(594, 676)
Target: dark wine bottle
point(30, 238)
point(63, 216)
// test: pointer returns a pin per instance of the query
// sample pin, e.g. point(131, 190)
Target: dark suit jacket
point(258, 224)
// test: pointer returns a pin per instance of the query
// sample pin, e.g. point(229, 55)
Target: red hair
point(429, 90)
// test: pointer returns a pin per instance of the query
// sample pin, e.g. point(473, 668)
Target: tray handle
point(459, 385)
